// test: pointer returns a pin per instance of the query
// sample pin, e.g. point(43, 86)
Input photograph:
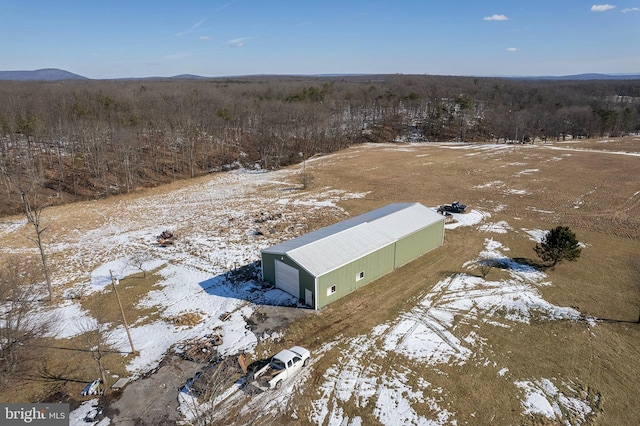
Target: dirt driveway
point(153, 399)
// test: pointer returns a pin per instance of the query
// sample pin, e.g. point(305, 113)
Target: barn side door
point(308, 298)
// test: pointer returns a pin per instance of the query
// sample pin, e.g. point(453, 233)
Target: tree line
point(71, 140)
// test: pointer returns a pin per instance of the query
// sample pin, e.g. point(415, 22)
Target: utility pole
point(124, 319)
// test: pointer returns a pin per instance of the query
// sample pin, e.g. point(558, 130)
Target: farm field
point(434, 342)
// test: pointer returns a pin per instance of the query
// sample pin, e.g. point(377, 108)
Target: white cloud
point(496, 18)
point(631, 9)
point(602, 7)
point(512, 49)
point(237, 42)
point(205, 38)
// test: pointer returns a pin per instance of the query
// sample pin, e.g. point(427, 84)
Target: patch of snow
point(631, 154)
point(355, 379)
point(195, 278)
point(501, 227)
point(527, 172)
point(86, 411)
point(9, 226)
point(395, 399)
point(492, 246)
point(120, 268)
point(428, 334)
point(68, 318)
point(467, 219)
point(533, 209)
point(536, 235)
point(493, 184)
point(515, 192)
point(544, 398)
point(194, 270)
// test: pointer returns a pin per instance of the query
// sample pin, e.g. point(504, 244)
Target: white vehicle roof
point(286, 355)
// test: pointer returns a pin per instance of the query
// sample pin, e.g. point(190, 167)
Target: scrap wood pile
point(269, 224)
point(201, 349)
point(189, 319)
point(448, 218)
point(165, 239)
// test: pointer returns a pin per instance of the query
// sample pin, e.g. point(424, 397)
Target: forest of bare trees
point(79, 139)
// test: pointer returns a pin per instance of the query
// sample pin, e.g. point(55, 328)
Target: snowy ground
point(429, 335)
point(194, 270)
point(217, 232)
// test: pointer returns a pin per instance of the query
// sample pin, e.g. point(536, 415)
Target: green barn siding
point(374, 265)
point(269, 272)
point(307, 282)
point(269, 267)
point(418, 243)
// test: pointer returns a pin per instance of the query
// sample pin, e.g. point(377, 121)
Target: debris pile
point(448, 218)
point(189, 319)
point(165, 239)
point(265, 228)
point(202, 349)
point(92, 388)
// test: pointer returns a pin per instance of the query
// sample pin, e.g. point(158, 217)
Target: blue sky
point(140, 38)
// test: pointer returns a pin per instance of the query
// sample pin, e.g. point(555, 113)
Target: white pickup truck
point(282, 366)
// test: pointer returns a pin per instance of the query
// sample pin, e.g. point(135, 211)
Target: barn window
point(331, 290)
point(360, 276)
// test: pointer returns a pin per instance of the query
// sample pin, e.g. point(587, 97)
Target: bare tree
point(93, 139)
point(139, 260)
point(485, 265)
point(34, 217)
point(96, 334)
point(207, 389)
point(20, 325)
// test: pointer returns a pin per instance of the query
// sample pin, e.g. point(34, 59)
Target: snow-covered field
point(428, 335)
point(216, 224)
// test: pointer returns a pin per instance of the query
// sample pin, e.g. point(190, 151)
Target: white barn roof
point(330, 247)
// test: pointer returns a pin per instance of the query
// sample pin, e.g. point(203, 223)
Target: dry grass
point(131, 289)
point(596, 194)
point(584, 190)
point(67, 364)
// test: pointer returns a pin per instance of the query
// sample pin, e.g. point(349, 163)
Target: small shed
point(324, 265)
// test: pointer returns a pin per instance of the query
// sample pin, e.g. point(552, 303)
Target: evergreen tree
point(557, 245)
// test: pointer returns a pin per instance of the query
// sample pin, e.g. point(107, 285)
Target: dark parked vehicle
point(454, 207)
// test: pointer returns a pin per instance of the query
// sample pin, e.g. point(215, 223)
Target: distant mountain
point(159, 78)
point(589, 76)
point(47, 74)
point(188, 77)
point(55, 74)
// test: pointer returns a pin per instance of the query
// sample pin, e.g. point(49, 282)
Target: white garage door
point(287, 278)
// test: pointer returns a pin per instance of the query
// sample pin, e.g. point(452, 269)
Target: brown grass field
point(581, 184)
point(590, 186)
